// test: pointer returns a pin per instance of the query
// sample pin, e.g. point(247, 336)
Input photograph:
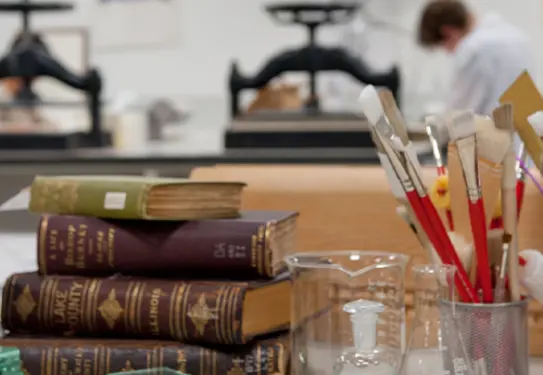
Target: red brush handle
point(465, 290)
point(478, 228)
point(441, 171)
point(447, 252)
point(450, 220)
point(520, 196)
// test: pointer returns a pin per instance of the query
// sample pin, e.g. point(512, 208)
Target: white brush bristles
point(493, 144)
point(371, 104)
point(461, 125)
point(536, 120)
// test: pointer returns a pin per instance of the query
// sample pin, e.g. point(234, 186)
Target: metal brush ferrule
point(473, 186)
point(470, 166)
point(415, 178)
point(407, 185)
point(435, 147)
point(522, 159)
point(521, 175)
point(474, 194)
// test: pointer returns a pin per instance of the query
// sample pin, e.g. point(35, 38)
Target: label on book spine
point(115, 201)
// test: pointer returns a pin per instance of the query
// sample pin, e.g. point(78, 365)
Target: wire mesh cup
point(495, 335)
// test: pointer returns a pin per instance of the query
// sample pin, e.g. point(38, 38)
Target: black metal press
point(29, 58)
point(311, 58)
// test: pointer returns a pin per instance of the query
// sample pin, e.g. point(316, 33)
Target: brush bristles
point(503, 117)
point(493, 144)
point(461, 125)
point(371, 104)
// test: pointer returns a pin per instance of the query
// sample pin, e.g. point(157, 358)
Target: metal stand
point(30, 58)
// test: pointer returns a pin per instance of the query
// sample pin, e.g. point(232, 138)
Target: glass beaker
point(435, 346)
point(323, 282)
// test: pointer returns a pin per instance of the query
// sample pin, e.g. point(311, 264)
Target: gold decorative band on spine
point(268, 235)
point(42, 259)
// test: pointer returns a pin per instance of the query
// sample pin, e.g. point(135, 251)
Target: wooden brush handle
point(509, 205)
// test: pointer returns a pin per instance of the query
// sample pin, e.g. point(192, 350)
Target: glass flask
point(435, 346)
point(323, 282)
point(366, 358)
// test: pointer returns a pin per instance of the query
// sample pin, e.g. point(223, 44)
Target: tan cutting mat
point(526, 99)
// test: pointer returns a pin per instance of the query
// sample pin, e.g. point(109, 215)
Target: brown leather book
point(53, 356)
point(201, 312)
point(250, 247)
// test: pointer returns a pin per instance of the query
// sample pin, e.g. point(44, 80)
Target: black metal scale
point(312, 59)
point(29, 58)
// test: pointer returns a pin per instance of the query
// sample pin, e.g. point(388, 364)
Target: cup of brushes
point(481, 279)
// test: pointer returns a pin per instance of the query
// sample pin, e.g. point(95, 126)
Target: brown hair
point(436, 15)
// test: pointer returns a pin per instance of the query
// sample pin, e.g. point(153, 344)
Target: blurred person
point(488, 53)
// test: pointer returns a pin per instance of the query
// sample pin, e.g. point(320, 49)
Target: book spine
point(90, 246)
point(116, 199)
point(103, 360)
point(201, 313)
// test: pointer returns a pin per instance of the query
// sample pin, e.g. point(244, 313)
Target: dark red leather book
point(198, 312)
point(58, 356)
point(251, 246)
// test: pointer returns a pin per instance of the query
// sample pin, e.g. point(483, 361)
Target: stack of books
point(136, 273)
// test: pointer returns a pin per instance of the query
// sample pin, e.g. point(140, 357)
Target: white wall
point(213, 32)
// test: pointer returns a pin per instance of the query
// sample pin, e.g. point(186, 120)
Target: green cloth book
point(135, 197)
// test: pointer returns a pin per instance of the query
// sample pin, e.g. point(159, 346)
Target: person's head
point(443, 24)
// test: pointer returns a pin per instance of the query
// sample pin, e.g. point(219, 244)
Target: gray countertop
point(197, 146)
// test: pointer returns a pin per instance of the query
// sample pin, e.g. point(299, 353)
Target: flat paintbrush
point(431, 130)
point(503, 118)
point(399, 194)
point(462, 132)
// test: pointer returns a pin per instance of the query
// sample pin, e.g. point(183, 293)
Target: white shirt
point(486, 62)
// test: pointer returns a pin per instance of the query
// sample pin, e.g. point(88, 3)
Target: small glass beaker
point(323, 282)
point(434, 345)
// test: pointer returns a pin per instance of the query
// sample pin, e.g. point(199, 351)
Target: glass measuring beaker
point(435, 346)
point(323, 282)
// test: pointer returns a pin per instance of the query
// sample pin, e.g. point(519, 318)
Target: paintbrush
point(404, 210)
point(443, 180)
point(414, 189)
point(395, 118)
point(503, 119)
point(462, 131)
point(463, 249)
point(492, 146)
point(522, 161)
point(500, 290)
point(490, 178)
point(526, 98)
